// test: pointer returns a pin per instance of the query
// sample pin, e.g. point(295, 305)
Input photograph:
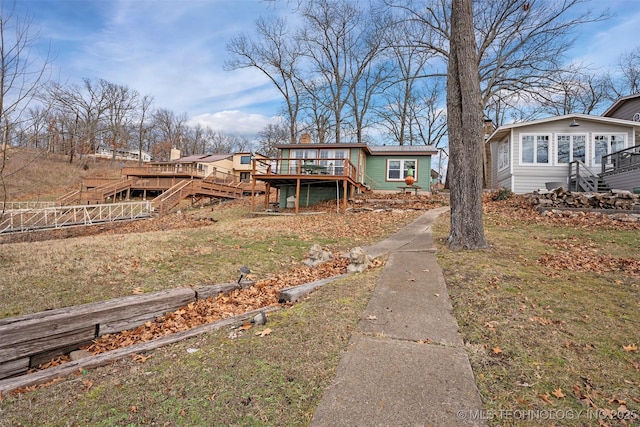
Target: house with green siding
point(306, 173)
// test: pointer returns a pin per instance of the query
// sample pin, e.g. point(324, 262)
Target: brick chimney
point(305, 138)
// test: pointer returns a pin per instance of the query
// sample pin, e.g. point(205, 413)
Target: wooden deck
point(173, 182)
point(281, 172)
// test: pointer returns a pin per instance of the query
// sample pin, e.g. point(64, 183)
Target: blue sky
point(174, 50)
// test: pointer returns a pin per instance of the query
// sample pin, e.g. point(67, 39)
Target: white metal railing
point(65, 216)
point(12, 206)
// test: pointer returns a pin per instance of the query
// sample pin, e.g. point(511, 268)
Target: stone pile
point(611, 200)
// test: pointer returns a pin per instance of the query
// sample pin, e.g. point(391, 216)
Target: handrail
point(65, 216)
point(583, 177)
point(315, 165)
point(171, 197)
point(185, 188)
point(17, 206)
point(621, 161)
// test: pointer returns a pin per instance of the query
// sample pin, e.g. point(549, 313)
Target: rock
point(317, 256)
point(360, 261)
point(259, 319)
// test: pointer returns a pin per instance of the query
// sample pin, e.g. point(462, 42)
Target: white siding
point(531, 177)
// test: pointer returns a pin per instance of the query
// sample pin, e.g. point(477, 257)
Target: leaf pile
point(263, 294)
point(584, 256)
point(520, 208)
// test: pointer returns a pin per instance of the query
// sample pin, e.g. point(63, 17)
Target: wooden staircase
point(582, 179)
point(199, 187)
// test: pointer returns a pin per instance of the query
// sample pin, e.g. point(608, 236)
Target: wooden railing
point(310, 166)
point(581, 177)
point(172, 197)
point(170, 169)
point(621, 161)
point(99, 194)
point(185, 188)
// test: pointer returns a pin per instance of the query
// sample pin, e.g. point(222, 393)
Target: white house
point(106, 152)
point(524, 157)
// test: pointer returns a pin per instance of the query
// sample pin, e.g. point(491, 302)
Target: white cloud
point(600, 45)
point(234, 122)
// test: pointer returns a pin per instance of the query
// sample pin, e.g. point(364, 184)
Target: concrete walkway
point(405, 365)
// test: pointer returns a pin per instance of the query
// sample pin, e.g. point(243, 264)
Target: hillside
point(36, 175)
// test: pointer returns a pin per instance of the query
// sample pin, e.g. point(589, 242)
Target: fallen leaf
point(140, 358)
point(264, 332)
point(546, 398)
point(558, 393)
point(630, 347)
point(496, 350)
point(245, 326)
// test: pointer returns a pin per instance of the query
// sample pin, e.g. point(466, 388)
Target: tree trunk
point(464, 117)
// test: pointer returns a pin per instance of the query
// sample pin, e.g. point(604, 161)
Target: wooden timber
point(29, 340)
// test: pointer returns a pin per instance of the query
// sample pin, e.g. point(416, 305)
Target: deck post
point(345, 187)
point(297, 195)
point(253, 183)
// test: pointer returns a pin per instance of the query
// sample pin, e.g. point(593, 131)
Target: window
point(535, 149)
point(332, 161)
point(503, 156)
point(245, 160)
point(398, 170)
point(571, 148)
point(301, 154)
point(607, 144)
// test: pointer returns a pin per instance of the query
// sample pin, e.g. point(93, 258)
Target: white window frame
point(536, 137)
point(300, 155)
point(572, 137)
point(504, 155)
point(335, 160)
point(608, 135)
point(403, 169)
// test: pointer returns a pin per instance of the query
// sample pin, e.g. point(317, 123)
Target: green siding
point(309, 194)
point(376, 169)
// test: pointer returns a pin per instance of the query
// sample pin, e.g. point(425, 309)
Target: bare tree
point(625, 79)
point(121, 103)
point(222, 143)
point(276, 54)
point(171, 130)
point(143, 118)
point(520, 44)
point(85, 105)
point(398, 114)
point(464, 113)
point(21, 76)
point(271, 135)
point(573, 92)
point(340, 51)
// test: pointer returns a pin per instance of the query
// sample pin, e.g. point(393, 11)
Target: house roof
point(203, 158)
point(619, 102)
point(505, 130)
point(374, 150)
point(402, 149)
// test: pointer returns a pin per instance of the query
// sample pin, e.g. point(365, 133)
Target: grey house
point(582, 152)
